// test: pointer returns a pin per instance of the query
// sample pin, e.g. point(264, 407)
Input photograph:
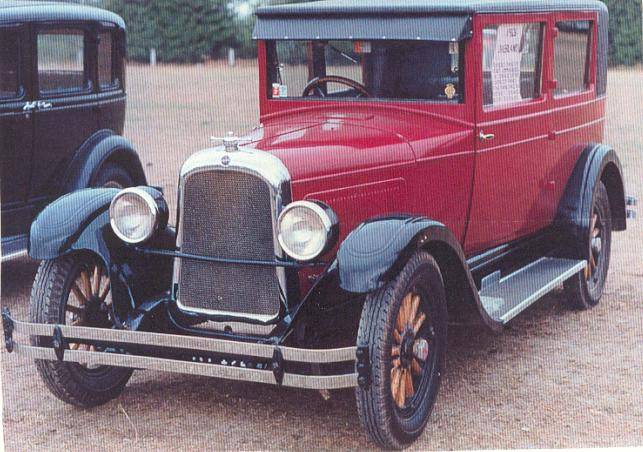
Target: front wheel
point(404, 325)
point(75, 290)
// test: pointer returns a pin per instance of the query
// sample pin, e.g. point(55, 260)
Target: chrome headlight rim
point(151, 204)
point(328, 220)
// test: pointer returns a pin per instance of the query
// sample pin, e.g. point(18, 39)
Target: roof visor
point(366, 27)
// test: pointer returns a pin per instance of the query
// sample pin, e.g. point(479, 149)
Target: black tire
point(584, 290)
point(389, 425)
point(71, 382)
point(112, 175)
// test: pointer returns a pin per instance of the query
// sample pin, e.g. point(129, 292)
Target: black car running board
point(505, 297)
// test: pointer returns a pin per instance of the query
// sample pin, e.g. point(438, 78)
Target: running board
point(504, 298)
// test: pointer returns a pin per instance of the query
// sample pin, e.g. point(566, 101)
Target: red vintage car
point(417, 163)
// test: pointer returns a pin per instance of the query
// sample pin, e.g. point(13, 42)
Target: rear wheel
point(75, 290)
point(585, 289)
point(111, 175)
point(404, 325)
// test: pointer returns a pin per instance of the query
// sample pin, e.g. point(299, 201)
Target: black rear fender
point(102, 147)
point(597, 163)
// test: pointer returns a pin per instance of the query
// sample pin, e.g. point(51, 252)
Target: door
point(513, 195)
point(67, 113)
point(16, 130)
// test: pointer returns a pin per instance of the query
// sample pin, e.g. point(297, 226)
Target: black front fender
point(73, 222)
point(376, 251)
point(79, 222)
point(370, 253)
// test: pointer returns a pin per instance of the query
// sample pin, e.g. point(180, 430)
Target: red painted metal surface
point(369, 157)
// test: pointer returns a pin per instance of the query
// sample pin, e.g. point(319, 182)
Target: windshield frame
point(268, 50)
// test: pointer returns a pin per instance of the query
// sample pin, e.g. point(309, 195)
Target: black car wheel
point(75, 290)
point(404, 325)
point(111, 175)
point(585, 289)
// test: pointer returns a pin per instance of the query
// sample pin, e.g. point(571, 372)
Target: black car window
point(106, 71)
point(61, 61)
point(571, 56)
point(9, 57)
point(511, 65)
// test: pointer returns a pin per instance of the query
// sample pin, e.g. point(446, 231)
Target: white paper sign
point(505, 70)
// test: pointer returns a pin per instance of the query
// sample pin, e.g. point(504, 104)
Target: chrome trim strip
point(194, 368)
point(15, 255)
point(251, 161)
point(205, 344)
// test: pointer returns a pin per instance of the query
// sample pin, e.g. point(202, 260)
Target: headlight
point(306, 229)
point(134, 215)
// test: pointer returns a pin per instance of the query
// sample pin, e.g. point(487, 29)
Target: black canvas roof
point(433, 20)
point(424, 7)
point(39, 11)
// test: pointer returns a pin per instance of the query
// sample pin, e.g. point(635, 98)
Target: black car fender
point(101, 147)
point(373, 253)
point(597, 163)
point(79, 222)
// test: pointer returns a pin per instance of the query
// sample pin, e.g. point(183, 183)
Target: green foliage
point(187, 31)
point(625, 38)
point(184, 31)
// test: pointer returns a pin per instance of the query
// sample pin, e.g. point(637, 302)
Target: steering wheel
point(314, 85)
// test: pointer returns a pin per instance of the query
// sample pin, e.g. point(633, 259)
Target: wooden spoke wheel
point(410, 349)
point(88, 302)
point(595, 245)
point(404, 325)
point(585, 289)
point(75, 290)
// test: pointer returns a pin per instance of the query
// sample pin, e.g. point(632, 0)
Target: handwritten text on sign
point(505, 70)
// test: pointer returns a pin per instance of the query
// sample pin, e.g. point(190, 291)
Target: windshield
point(403, 70)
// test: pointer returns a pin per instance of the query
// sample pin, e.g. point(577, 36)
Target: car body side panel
point(16, 143)
point(521, 174)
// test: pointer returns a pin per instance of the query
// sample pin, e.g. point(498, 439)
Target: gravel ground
point(555, 378)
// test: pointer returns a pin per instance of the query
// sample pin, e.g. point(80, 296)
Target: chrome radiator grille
point(228, 214)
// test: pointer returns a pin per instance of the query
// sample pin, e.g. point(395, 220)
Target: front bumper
point(275, 358)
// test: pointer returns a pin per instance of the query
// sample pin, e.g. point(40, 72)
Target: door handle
point(486, 136)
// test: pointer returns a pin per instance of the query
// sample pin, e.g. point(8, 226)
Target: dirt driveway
point(555, 378)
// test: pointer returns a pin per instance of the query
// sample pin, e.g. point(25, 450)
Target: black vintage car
point(62, 109)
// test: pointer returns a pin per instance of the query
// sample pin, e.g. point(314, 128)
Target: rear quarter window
point(107, 65)
point(61, 62)
point(571, 57)
point(9, 58)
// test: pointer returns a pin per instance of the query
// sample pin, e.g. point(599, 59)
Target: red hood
point(324, 142)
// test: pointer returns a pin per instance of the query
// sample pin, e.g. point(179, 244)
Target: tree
point(625, 38)
point(183, 31)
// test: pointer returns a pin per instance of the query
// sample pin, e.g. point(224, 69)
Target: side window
point(61, 63)
point(511, 63)
point(107, 77)
point(571, 51)
point(9, 58)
